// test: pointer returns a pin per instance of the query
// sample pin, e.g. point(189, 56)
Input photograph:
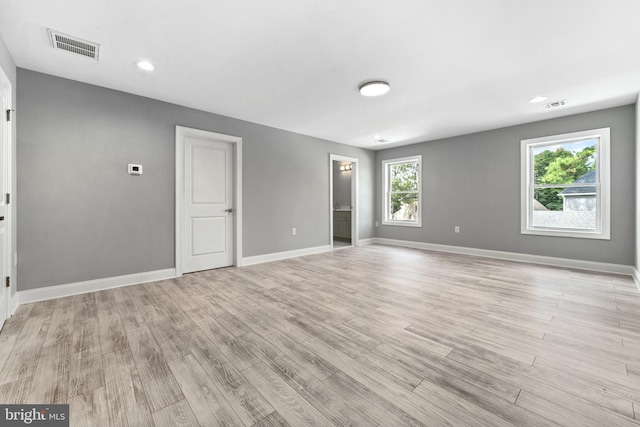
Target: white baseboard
point(276, 256)
point(59, 291)
point(513, 256)
point(365, 242)
point(13, 304)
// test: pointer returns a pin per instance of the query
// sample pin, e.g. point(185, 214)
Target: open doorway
point(343, 200)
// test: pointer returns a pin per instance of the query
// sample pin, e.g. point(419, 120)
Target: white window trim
point(385, 199)
point(603, 197)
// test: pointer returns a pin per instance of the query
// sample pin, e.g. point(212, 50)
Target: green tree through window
point(560, 166)
point(404, 187)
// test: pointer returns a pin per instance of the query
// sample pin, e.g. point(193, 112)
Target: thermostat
point(135, 169)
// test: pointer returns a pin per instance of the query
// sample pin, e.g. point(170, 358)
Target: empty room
point(302, 213)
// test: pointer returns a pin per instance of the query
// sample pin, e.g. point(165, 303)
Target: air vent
point(556, 104)
point(74, 45)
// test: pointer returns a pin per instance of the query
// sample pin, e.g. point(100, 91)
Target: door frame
point(6, 144)
point(236, 142)
point(354, 197)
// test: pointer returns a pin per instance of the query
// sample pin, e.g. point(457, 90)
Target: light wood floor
point(376, 336)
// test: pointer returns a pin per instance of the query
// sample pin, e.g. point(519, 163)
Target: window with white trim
point(402, 191)
point(565, 185)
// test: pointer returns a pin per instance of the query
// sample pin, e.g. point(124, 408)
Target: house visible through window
point(402, 191)
point(565, 185)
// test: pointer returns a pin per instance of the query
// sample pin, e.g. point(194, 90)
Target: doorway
point(343, 172)
point(208, 200)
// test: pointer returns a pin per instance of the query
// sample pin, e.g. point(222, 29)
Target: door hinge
point(8, 199)
point(9, 115)
point(8, 281)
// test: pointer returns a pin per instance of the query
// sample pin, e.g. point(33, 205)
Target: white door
point(207, 229)
point(4, 169)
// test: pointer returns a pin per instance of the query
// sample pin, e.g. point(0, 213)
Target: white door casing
point(5, 180)
point(207, 205)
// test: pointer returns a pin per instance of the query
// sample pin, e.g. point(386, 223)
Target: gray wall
point(341, 185)
point(9, 68)
point(83, 217)
point(473, 181)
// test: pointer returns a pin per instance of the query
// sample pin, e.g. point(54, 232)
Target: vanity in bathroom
point(342, 224)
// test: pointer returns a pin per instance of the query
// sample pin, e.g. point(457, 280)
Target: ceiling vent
point(74, 45)
point(556, 104)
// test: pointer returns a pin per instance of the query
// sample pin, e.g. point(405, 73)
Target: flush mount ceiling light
point(374, 88)
point(538, 99)
point(379, 139)
point(145, 65)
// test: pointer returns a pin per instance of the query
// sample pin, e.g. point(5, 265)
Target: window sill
point(402, 224)
point(596, 235)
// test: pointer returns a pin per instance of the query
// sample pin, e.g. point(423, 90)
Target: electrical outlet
point(294, 231)
point(377, 224)
point(456, 229)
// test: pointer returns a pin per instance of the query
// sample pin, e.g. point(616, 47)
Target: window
point(402, 187)
point(565, 185)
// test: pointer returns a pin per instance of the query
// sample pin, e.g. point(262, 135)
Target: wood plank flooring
point(370, 336)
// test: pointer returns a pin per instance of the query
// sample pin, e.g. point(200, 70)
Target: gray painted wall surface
point(341, 185)
point(82, 217)
point(9, 68)
point(473, 181)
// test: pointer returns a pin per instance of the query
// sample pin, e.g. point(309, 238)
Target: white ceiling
point(455, 66)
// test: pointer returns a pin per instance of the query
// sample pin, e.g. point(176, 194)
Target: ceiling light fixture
point(556, 104)
point(145, 65)
point(374, 88)
point(538, 99)
point(379, 139)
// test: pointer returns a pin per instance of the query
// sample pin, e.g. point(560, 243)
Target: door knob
point(229, 210)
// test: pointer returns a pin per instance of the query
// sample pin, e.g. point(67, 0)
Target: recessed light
point(374, 88)
point(145, 65)
point(538, 99)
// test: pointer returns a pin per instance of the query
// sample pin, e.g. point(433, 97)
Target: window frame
point(386, 194)
point(602, 184)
